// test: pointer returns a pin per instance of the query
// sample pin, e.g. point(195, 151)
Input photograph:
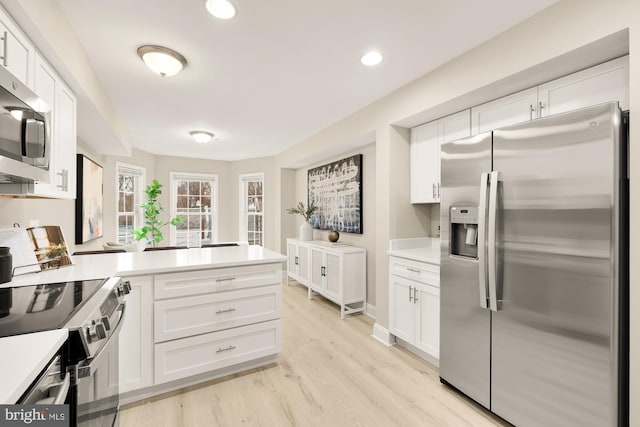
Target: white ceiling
point(278, 72)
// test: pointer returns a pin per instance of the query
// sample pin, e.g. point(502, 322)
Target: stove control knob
point(105, 322)
point(124, 288)
point(96, 331)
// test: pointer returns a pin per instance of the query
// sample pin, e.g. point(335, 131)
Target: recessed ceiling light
point(162, 60)
point(371, 58)
point(222, 9)
point(201, 136)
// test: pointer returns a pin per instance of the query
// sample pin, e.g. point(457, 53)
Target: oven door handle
point(61, 396)
point(86, 370)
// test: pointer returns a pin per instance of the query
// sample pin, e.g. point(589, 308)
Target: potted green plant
point(306, 230)
point(152, 209)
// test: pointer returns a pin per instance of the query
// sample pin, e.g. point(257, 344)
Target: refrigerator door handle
point(482, 226)
point(494, 178)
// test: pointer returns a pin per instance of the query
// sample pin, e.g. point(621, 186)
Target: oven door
point(51, 387)
point(97, 382)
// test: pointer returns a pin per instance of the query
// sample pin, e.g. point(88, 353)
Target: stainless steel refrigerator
point(534, 269)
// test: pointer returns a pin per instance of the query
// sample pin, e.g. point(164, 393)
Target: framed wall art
point(89, 200)
point(336, 188)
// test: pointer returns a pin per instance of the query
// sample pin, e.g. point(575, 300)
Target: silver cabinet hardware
point(415, 295)
point(433, 190)
point(226, 279)
point(4, 49)
point(64, 181)
point(410, 293)
point(222, 350)
point(413, 270)
point(540, 108)
point(228, 310)
point(532, 109)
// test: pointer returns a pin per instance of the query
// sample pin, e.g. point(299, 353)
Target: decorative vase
point(334, 236)
point(306, 231)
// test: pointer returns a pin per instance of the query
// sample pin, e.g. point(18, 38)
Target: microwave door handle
point(482, 224)
point(492, 258)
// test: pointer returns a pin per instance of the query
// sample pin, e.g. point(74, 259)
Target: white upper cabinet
point(425, 153)
point(425, 163)
point(603, 83)
point(46, 87)
point(67, 142)
point(62, 164)
point(516, 108)
point(596, 85)
point(17, 54)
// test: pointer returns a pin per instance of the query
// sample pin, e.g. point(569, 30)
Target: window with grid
point(193, 197)
point(130, 192)
point(252, 208)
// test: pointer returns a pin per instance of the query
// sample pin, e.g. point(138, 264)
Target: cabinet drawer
point(413, 270)
point(183, 317)
point(188, 283)
point(203, 353)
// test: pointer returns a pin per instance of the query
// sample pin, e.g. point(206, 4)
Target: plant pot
point(306, 231)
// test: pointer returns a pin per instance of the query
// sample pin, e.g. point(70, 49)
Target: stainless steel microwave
point(25, 133)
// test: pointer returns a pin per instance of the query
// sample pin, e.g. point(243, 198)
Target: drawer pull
point(227, 279)
point(228, 310)
point(222, 350)
point(413, 270)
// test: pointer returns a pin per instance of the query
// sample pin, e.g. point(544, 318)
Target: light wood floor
point(330, 373)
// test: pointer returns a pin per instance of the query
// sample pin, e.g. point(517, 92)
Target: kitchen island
point(192, 315)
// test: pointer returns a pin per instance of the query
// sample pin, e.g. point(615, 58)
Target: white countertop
point(424, 249)
point(23, 357)
point(137, 263)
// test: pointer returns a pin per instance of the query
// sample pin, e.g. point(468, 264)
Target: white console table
point(337, 272)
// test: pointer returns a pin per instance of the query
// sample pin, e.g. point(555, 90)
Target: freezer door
point(554, 334)
point(464, 324)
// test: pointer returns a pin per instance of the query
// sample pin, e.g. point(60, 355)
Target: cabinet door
point(46, 87)
point(136, 336)
point(401, 317)
point(66, 155)
point(596, 85)
point(18, 54)
point(516, 108)
point(292, 258)
point(317, 269)
point(333, 276)
point(424, 163)
point(303, 264)
point(428, 320)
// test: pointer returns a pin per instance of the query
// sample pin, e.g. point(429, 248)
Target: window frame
point(138, 218)
point(174, 177)
point(243, 180)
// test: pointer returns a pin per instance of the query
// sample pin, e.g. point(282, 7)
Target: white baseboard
point(371, 311)
point(383, 335)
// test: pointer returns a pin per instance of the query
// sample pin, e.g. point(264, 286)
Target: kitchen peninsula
point(192, 315)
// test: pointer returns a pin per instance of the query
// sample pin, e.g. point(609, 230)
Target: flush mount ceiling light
point(371, 58)
point(162, 60)
point(201, 136)
point(221, 9)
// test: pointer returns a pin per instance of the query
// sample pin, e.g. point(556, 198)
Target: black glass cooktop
point(25, 309)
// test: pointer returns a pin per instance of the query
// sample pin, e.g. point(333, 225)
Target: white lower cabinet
point(136, 336)
point(199, 354)
point(180, 317)
point(338, 273)
point(186, 327)
point(207, 320)
point(414, 304)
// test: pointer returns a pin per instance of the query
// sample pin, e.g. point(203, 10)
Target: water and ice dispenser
point(464, 231)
